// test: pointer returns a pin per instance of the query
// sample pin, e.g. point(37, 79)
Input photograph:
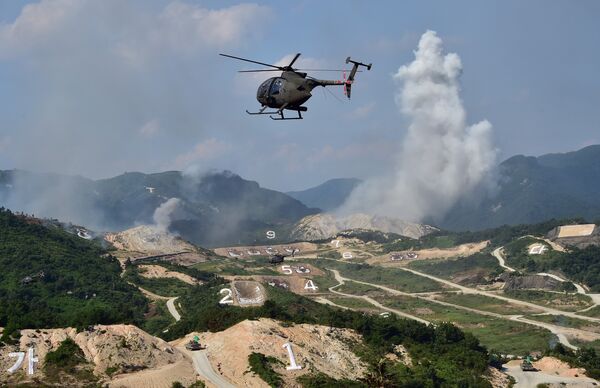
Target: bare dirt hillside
point(317, 348)
point(462, 250)
point(123, 350)
point(157, 271)
point(149, 240)
point(322, 226)
point(553, 365)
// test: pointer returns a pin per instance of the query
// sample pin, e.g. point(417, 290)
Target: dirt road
point(204, 368)
point(468, 290)
point(559, 331)
point(532, 379)
point(172, 309)
point(341, 280)
point(497, 253)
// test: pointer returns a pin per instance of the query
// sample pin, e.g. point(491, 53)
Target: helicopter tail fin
point(350, 79)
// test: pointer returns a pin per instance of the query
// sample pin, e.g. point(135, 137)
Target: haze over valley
point(413, 200)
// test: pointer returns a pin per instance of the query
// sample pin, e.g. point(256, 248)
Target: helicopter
point(293, 87)
point(279, 258)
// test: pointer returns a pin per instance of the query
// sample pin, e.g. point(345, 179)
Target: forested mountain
point(530, 189)
point(326, 196)
point(215, 208)
point(51, 278)
point(533, 189)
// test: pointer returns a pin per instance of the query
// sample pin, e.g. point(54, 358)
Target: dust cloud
point(442, 159)
point(163, 213)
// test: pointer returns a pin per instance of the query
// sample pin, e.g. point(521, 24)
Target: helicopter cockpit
point(269, 89)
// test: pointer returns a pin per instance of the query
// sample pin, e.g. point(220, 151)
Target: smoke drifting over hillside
point(441, 159)
point(162, 214)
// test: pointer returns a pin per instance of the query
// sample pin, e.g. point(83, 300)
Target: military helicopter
point(279, 258)
point(292, 88)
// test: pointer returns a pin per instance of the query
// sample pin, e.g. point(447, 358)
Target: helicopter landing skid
point(262, 112)
point(282, 117)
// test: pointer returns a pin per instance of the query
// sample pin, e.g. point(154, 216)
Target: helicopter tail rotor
point(348, 82)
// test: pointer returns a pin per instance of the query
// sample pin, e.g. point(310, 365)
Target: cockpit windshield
point(263, 89)
point(276, 86)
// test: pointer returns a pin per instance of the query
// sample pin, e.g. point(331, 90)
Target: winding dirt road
point(204, 368)
point(341, 280)
point(468, 290)
point(497, 253)
point(172, 309)
point(559, 331)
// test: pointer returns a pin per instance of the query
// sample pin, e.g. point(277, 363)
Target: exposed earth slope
point(326, 225)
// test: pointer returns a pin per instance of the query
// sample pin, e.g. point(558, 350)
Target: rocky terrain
point(150, 240)
point(579, 236)
point(326, 225)
point(317, 349)
point(111, 350)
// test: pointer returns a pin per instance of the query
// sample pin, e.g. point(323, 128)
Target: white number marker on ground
point(293, 365)
point(271, 234)
point(286, 269)
point(20, 357)
point(347, 255)
point(32, 360)
point(310, 285)
point(227, 299)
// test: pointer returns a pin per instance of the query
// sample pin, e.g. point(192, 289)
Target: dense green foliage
point(262, 366)
point(67, 355)
point(321, 380)
point(51, 278)
point(391, 277)
point(67, 364)
point(443, 354)
point(580, 265)
point(480, 262)
point(159, 286)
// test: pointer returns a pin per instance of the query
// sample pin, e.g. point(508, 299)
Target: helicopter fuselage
point(288, 91)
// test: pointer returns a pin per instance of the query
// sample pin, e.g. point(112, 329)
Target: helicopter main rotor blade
point(257, 71)
point(293, 60)
point(326, 70)
point(251, 61)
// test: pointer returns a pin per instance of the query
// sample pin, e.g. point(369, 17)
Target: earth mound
point(323, 226)
point(149, 240)
point(316, 348)
point(112, 350)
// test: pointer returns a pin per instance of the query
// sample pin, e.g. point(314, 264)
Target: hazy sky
point(102, 87)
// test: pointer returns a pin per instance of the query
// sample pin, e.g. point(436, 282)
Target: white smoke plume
point(162, 214)
point(441, 159)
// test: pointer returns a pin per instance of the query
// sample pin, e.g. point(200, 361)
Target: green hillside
point(51, 278)
point(533, 189)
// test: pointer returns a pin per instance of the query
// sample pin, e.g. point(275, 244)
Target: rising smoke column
point(162, 214)
point(441, 159)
